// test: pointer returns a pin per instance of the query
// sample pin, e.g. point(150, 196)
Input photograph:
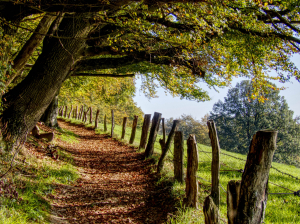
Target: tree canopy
point(179, 45)
point(239, 117)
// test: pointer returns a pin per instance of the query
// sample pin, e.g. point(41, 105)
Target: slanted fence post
point(145, 129)
point(153, 133)
point(215, 164)
point(178, 156)
point(163, 129)
point(96, 119)
point(166, 146)
point(124, 127)
point(133, 130)
point(191, 174)
point(105, 124)
point(253, 192)
point(112, 123)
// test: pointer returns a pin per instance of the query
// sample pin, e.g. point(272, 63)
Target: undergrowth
point(26, 191)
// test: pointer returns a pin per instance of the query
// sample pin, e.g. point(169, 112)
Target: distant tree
point(189, 125)
point(239, 117)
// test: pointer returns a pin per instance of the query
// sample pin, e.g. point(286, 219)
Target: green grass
point(280, 208)
point(34, 180)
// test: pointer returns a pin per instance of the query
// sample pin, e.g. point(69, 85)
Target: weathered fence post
point(145, 130)
point(133, 130)
point(153, 133)
point(191, 174)
point(66, 109)
point(163, 129)
point(105, 124)
point(96, 119)
point(215, 164)
point(233, 195)
point(211, 211)
point(253, 193)
point(91, 115)
point(112, 123)
point(70, 111)
point(178, 156)
point(166, 146)
point(124, 127)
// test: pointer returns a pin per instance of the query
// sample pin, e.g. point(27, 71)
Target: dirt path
point(116, 184)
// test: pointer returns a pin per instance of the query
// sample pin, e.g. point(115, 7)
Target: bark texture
point(166, 147)
point(124, 127)
point(145, 129)
point(25, 103)
point(133, 130)
point(191, 173)
point(233, 196)
point(50, 115)
point(254, 194)
point(178, 156)
point(211, 211)
point(112, 123)
point(215, 164)
point(153, 133)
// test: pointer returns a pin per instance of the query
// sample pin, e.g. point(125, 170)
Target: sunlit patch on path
point(116, 184)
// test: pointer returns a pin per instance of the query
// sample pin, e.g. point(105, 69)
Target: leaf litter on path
point(116, 184)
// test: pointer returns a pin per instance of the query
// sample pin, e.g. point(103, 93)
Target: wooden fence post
point(191, 174)
point(178, 156)
point(105, 125)
point(91, 115)
point(145, 130)
point(253, 193)
point(66, 109)
point(124, 127)
point(211, 211)
point(215, 164)
point(163, 129)
point(96, 119)
point(166, 146)
point(133, 130)
point(153, 133)
point(112, 123)
point(70, 111)
point(233, 195)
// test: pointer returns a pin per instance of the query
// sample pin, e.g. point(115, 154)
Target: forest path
point(116, 184)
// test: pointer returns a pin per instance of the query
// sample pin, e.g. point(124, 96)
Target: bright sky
point(174, 107)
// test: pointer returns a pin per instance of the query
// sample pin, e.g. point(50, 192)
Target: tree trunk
point(166, 147)
point(96, 119)
point(191, 173)
point(145, 130)
point(32, 43)
point(178, 156)
point(215, 163)
point(25, 103)
point(50, 115)
point(254, 194)
point(124, 127)
point(80, 113)
point(76, 113)
point(153, 133)
point(66, 110)
point(133, 130)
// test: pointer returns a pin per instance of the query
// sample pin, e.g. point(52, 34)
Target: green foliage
point(189, 125)
point(239, 117)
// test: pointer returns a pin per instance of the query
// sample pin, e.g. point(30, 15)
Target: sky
point(175, 107)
